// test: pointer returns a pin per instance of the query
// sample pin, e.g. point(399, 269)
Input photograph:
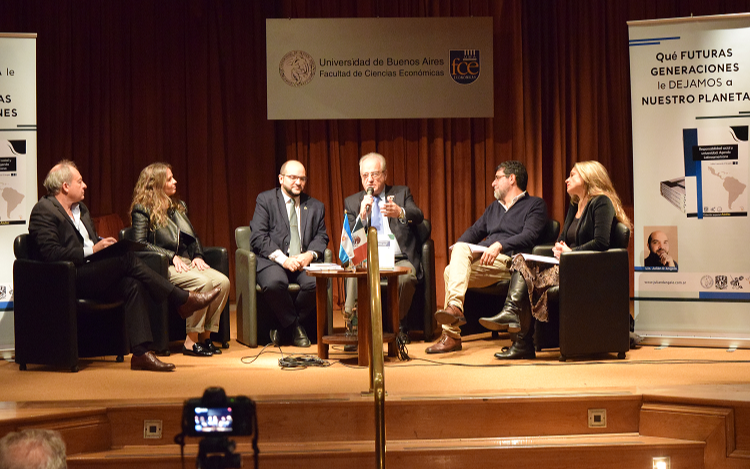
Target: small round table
point(363, 311)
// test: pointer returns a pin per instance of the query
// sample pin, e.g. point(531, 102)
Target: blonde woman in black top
point(160, 221)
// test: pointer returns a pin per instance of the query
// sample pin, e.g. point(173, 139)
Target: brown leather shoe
point(197, 301)
point(149, 362)
point(450, 316)
point(445, 344)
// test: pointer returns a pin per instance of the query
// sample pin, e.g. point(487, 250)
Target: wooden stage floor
point(471, 372)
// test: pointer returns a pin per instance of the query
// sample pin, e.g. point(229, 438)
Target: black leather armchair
point(52, 326)
point(252, 326)
point(589, 312)
point(167, 325)
point(422, 311)
point(487, 301)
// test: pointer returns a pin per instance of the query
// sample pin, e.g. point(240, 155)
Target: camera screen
point(213, 419)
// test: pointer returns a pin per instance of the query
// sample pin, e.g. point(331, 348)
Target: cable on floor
point(295, 361)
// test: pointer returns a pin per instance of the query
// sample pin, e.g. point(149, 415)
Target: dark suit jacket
point(270, 226)
point(405, 233)
point(176, 238)
point(595, 226)
point(53, 234)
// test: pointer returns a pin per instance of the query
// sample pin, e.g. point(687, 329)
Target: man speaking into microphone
point(390, 210)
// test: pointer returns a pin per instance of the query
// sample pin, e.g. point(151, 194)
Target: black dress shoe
point(300, 337)
point(209, 345)
point(197, 301)
point(197, 350)
point(350, 348)
point(275, 337)
point(515, 353)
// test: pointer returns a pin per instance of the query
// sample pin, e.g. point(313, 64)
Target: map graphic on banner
point(12, 182)
point(690, 98)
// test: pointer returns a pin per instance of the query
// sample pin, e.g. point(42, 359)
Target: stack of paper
point(323, 266)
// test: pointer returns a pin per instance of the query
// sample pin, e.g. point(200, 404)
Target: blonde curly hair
point(596, 181)
point(149, 192)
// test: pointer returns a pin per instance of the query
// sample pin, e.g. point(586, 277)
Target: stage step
point(612, 451)
point(350, 418)
point(332, 431)
point(83, 429)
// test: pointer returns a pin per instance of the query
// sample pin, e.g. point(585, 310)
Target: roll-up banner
point(690, 93)
point(17, 160)
point(379, 68)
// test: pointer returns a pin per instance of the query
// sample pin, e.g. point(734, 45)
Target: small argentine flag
point(346, 250)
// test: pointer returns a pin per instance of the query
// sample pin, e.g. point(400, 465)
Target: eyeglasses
point(296, 178)
point(374, 174)
point(497, 178)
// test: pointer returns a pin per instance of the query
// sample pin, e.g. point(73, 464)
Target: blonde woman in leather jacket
point(160, 221)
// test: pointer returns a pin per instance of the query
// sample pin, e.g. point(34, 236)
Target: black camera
point(215, 414)
point(213, 418)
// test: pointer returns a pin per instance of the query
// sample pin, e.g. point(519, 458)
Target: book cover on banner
point(716, 171)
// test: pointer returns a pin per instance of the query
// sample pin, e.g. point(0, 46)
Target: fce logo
point(464, 66)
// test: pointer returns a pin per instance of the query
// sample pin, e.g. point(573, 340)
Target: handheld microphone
point(369, 191)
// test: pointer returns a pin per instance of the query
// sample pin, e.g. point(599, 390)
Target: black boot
point(515, 302)
point(523, 347)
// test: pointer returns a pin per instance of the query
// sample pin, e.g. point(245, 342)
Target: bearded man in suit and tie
point(391, 210)
point(288, 233)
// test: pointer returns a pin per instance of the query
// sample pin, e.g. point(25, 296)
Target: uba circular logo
point(707, 282)
point(297, 68)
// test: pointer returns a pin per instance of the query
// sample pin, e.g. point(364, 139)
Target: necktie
point(376, 219)
point(294, 243)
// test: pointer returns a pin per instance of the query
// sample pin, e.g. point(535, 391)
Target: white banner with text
point(17, 160)
point(379, 68)
point(690, 97)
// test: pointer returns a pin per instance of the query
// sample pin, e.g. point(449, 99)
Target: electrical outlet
point(597, 418)
point(152, 429)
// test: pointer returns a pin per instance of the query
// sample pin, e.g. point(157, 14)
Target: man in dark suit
point(391, 209)
point(61, 229)
point(288, 233)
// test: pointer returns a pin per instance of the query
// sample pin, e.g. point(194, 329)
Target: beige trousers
point(463, 272)
point(206, 319)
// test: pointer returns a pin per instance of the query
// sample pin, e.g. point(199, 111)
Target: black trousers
point(274, 281)
point(128, 279)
